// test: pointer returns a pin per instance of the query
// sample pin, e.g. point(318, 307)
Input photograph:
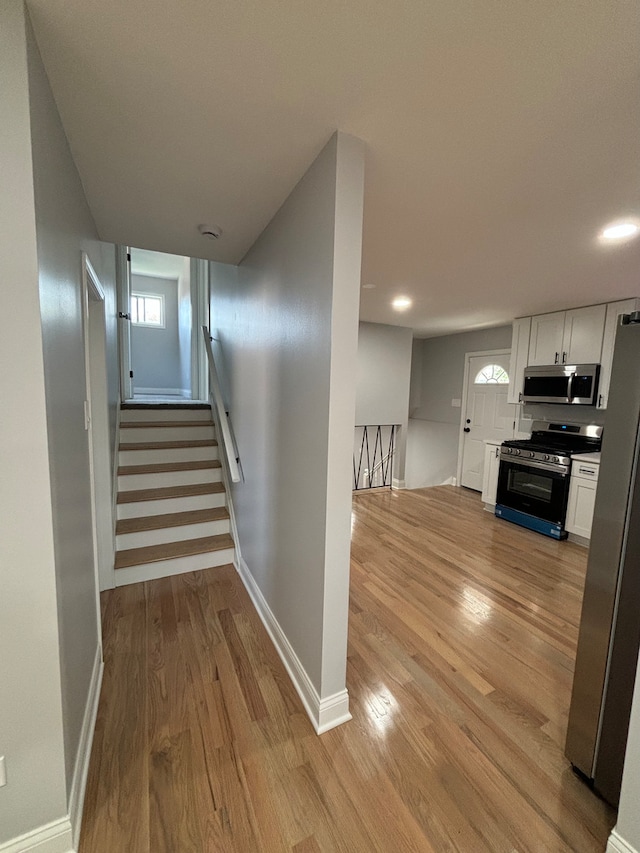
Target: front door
point(486, 414)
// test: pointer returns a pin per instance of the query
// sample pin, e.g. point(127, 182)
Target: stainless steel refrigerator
point(610, 625)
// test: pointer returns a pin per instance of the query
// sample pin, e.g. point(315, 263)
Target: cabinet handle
point(599, 401)
point(564, 358)
point(497, 452)
point(582, 470)
point(555, 361)
point(520, 397)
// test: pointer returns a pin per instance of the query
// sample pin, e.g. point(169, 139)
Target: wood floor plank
point(463, 630)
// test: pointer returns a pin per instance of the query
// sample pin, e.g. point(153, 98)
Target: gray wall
point(384, 368)
point(155, 353)
point(437, 378)
point(48, 619)
point(287, 319)
point(65, 227)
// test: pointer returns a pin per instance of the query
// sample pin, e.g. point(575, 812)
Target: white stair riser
point(140, 509)
point(174, 433)
point(128, 415)
point(133, 482)
point(178, 566)
point(174, 454)
point(143, 538)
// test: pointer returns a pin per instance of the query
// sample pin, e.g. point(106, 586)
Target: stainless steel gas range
point(533, 480)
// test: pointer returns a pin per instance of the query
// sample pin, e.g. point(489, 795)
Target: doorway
point(161, 299)
point(486, 414)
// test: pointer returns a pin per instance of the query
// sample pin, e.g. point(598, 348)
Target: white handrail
point(220, 413)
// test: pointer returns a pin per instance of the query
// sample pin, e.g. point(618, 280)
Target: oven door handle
point(562, 471)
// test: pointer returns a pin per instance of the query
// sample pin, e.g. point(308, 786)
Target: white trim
point(617, 844)
point(81, 770)
point(173, 392)
point(465, 389)
point(199, 287)
point(398, 484)
point(54, 837)
point(325, 714)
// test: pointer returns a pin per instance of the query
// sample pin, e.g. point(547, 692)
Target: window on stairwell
point(492, 374)
point(147, 309)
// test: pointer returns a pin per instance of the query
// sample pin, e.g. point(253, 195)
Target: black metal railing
point(373, 450)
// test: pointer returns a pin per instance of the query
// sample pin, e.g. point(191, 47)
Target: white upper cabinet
point(519, 357)
point(614, 311)
point(583, 332)
point(547, 331)
point(568, 337)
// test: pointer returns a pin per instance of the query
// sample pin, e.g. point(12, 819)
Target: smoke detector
point(213, 232)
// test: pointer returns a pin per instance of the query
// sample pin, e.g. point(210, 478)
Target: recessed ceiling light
point(401, 303)
point(618, 232)
point(368, 286)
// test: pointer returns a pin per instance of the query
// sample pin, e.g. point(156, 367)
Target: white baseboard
point(398, 484)
point(617, 844)
point(324, 713)
point(450, 481)
point(54, 837)
point(81, 769)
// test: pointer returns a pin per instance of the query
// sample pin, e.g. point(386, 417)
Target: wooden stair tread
point(165, 467)
point(165, 492)
point(172, 550)
point(168, 445)
point(164, 424)
point(171, 519)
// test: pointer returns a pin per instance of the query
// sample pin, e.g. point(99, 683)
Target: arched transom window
point(492, 374)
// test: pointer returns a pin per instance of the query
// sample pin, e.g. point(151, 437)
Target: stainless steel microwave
point(575, 384)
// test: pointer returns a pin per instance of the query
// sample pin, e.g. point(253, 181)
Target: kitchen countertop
point(586, 457)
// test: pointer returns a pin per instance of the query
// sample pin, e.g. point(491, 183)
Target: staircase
point(172, 516)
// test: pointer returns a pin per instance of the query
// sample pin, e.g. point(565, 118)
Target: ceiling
point(500, 137)
point(144, 262)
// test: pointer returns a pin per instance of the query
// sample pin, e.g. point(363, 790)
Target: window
point(492, 374)
point(147, 309)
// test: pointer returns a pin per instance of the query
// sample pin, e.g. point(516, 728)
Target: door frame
point(123, 288)
point(465, 388)
point(199, 281)
point(97, 426)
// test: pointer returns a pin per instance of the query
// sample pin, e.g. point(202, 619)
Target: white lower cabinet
point(490, 474)
point(582, 498)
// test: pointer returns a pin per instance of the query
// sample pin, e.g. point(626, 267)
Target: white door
point(487, 415)
point(123, 266)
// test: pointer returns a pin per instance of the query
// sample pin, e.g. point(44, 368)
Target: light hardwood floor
point(462, 637)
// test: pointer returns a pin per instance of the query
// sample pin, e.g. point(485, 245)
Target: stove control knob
point(516, 451)
point(531, 454)
point(548, 458)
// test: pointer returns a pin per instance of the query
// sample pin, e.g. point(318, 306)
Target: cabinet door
point(519, 357)
point(490, 475)
point(582, 499)
point(614, 311)
point(583, 332)
point(547, 331)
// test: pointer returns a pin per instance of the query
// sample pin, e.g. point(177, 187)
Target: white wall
point(184, 326)
point(437, 377)
point(155, 352)
point(628, 824)
point(287, 319)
